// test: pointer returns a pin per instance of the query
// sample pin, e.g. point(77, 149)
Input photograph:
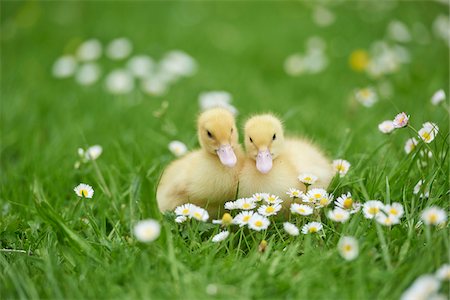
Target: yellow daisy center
point(324, 201)
point(312, 229)
point(227, 218)
point(246, 218)
point(340, 168)
point(258, 223)
point(433, 218)
point(348, 202)
point(365, 93)
point(270, 209)
point(359, 59)
point(245, 206)
point(84, 193)
point(302, 210)
point(426, 136)
point(197, 215)
point(373, 210)
point(185, 211)
point(393, 211)
point(317, 196)
point(295, 193)
point(307, 179)
point(347, 248)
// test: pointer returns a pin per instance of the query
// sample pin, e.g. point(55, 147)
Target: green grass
point(240, 47)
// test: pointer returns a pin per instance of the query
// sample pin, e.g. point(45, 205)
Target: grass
point(53, 247)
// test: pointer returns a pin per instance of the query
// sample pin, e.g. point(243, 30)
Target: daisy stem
point(76, 208)
point(384, 247)
point(428, 234)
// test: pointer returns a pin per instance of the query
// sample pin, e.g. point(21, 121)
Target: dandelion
point(258, 197)
point(410, 145)
point(341, 166)
point(84, 190)
point(243, 218)
point(185, 209)
point(181, 219)
point(387, 220)
point(359, 59)
point(312, 227)
point(401, 120)
point(272, 199)
point(227, 219)
point(88, 74)
point(64, 66)
point(147, 230)
point(422, 288)
point(199, 214)
point(433, 216)
point(294, 193)
point(345, 201)
point(291, 229)
point(269, 210)
point(141, 66)
point(338, 215)
point(177, 148)
point(119, 82)
point(258, 222)
point(348, 247)
point(443, 273)
point(245, 203)
point(89, 50)
point(220, 236)
point(395, 210)
point(307, 178)
point(438, 97)
point(230, 205)
point(301, 209)
point(119, 48)
point(371, 208)
point(366, 96)
point(386, 126)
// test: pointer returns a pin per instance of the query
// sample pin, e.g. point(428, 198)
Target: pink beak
point(264, 161)
point(227, 156)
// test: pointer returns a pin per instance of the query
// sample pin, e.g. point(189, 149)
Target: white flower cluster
point(91, 153)
point(212, 99)
point(188, 211)
point(427, 286)
point(312, 62)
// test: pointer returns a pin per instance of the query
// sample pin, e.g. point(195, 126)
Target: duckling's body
point(207, 177)
point(273, 163)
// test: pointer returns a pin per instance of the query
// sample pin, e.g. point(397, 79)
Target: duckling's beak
point(227, 156)
point(264, 161)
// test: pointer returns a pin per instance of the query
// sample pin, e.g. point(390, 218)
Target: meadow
point(56, 245)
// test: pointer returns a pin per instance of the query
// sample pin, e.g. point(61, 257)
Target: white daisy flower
point(84, 190)
point(181, 219)
point(433, 216)
point(312, 227)
point(269, 210)
point(141, 66)
point(87, 74)
point(398, 31)
point(345, 201)
point(387, 220)
point(258, 197)
point(431, 126)
point(230, 205)
point(154, 86)
point(64, 66)
point(366, 96)
point(307, 178)
point(301, 209)
point(427, 134)
point(245, 203)
point(341, 166)
point(386, 126)
point(93, 152)
point(119, 82)
point(438, 97)
point(395, 209)
point(185, 209)
point(294, 193)
point(243, 218)
point(177, 148)
point(423, 287)
point(272, 199)
point(318, 196)
point(258, 222)
point(212, 99)
point(220, 236)
point(147, 230)
point(372, 208)
point(179, 63)
point(410, 145)
point(401, 120)
point(291, 229)
point(119, 48)
point(89, 50)
point(323, 17)
point(348, 247)
point(199, 214)
point(294, 65)
point(443, 273)
point(338, 215)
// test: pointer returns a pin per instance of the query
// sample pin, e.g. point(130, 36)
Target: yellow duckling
point(274, 162)
point(207, 177)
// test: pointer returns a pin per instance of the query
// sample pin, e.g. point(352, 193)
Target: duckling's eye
point(251, 141)
point(209, 134)
point(274, 137)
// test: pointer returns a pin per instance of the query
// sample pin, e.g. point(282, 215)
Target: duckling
point(207, 177)
point(273, 162)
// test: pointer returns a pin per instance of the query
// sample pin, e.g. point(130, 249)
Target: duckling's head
point(264, 140)
point(218, 135)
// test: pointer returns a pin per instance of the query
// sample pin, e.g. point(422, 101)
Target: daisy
point(338, 215)
point(443, 273)
point(227, 219)
point(366, 96)
point(312, 227)
point(64, 67)
point(269, 210)
point(89, 50)
point(147, 230)
point(315, 195)
point(212, 99)
point(185, 209)
point(230, 205)
point(401, 120)
point(220, 236)
point(395, 210)
point(243, 218)
point(291, 229)
point(199, 214)
point(386, 126)
point(258, 222)
point(88, 74)
point(84, 190)
point(177, 148)
point(438, 97)
point(301, 209)
point(410, 145)
point(345, 201)
point(119, 48)
point(348, 247)
point(181, 219)
point(294, 193)
point(433, 216)
point(272, 199)
point(258, 197)
point(178, 63)
point(423, 287)
point(387, 220)
point(341, 166)
point(427, 134)
point(371, 208)
point(154, 86)
point(431, 126)
point(93, 152)
point(141, 66)
point(294, 64)
point(119, 82)
point(245, 203)
point(307, 178)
